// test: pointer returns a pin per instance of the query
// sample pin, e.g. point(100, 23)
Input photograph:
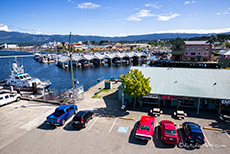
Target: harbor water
point(59, 77)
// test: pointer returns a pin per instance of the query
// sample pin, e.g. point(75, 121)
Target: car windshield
point(58, 113)
point(170, 132)
point(145, 128)
point(76, 118)
point(196, 134)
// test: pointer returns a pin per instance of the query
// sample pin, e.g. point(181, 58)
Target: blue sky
point(114, 17)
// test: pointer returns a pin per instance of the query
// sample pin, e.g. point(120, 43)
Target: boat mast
point(71, 68)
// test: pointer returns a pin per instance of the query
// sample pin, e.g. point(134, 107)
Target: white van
point(9, 98)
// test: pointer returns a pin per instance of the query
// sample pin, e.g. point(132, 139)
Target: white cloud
point(167, 17)
point(156, 6)
point(225, 12)
point(198, 31)
point(88, 5)
point(39, 31)
point(4, 27)
point(189, 2)
point(139, 15)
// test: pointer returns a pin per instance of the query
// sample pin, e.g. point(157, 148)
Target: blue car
point(193, 133)
point(61, 114)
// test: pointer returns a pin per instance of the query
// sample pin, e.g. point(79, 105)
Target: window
point(71, 107)
point(198, 53)
point(199, 49)
point(145, 128)
point(177, 47)
point(204, 53)
point(193, 53)
point(170, 132)
point(1, 98)
point(186, 53)
point(67, 110)
point(16, 77)
point(206, 48)
point(193, 48)
point(186, 48)
point(11, 95)
point(6, 96)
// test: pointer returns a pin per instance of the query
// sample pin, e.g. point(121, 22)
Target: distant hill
point(17, 37)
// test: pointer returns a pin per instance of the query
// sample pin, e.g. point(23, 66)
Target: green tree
point(131, 48)
point(227, 44)
point(135, 84)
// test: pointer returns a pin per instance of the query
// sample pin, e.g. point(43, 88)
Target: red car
point(145, 128)
point(169, 133)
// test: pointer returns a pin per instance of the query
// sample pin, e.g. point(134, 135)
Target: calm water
point(60, 78)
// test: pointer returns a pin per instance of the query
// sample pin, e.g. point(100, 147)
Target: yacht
point(22, 80)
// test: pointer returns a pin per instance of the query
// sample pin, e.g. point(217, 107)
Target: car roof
point(169, 126)
point(81, 113)
point(194, 127)
point(62, 107)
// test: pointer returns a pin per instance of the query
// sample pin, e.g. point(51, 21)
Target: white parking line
point(227, 134)
point(112, 125)
point(93, 123)
point(180, 134)
point(206, 139)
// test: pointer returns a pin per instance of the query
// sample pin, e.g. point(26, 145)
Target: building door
point(167, 102)
point(177, 58)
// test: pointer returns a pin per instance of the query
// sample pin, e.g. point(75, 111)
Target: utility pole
point(71, 69)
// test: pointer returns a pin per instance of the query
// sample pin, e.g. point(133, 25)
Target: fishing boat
point(21, 80)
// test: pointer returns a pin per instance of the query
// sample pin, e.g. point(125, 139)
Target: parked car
point(193, 133)
point(61, 114)
point(169, 134)
point(145, 128)
point(225, 116)
point(6, 98)
point(81, 118)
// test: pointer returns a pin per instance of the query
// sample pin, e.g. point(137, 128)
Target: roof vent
point(214, 84)
point(175, 81)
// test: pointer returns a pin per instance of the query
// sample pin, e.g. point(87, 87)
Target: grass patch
point(96, 95)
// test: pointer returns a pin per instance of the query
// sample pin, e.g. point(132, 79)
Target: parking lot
point(24, 130)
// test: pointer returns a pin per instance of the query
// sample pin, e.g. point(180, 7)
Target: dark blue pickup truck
point(61, 114)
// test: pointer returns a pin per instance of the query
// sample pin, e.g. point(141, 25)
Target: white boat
point(22, 80)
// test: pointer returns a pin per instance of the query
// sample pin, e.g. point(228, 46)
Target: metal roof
point(201, 83)
point(63, 59)
point(196, 42)
point(224, 52)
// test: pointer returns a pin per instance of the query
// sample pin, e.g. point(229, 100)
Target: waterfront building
point(195, 51)
point(11, 46)
point(186, 87)
point(224, 58)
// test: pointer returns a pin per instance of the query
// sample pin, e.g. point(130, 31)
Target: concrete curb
point(110, 116)
point(41, 100)
point(127, 118)
point(210, 128)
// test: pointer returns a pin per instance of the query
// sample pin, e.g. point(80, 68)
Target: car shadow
point(46, 126)
point(157, 140)
point(68, 127)
point(132, 138)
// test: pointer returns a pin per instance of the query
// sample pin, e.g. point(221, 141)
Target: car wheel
point(63, 122)
point(85, 124)
point(92, 116)
point(18, 99)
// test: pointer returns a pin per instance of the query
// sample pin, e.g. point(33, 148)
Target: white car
point(9, 98)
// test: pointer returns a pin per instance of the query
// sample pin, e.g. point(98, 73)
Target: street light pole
point(71, 69)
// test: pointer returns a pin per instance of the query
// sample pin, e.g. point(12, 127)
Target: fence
point(65, 96)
